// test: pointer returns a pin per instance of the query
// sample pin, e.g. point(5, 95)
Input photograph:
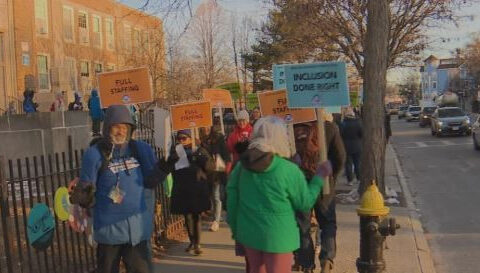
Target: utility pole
point(375, 83)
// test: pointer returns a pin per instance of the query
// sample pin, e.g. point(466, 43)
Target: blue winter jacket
point(94, 106)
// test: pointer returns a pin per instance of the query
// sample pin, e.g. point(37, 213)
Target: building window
point(41, 17)
point(84, 69)
point(83, 27)
point(70, 66)
point(110, 34)
point(42, 71)
point(109, 68)
point(98, 68)
point(68, 29)
point(97, 31)
point(127, 41)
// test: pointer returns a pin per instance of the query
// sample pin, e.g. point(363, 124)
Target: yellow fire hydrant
point(375, 226)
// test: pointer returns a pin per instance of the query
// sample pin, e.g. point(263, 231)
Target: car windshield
point(452, 112)
point(403, 108)
point(429, 110)
point(415, 108)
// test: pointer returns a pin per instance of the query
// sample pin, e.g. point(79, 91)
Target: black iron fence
point(28, 181)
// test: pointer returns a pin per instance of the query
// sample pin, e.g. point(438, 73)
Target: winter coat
point(28, 105)
point(190, 193)
point(352, 135)
point(263, 193)
point(215, 145)
point(96, 112)
point(238, 135)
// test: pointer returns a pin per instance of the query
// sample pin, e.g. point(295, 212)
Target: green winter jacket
point(263, 192)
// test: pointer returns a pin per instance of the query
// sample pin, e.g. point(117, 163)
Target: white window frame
point(110, 35)
point(87, 28)
point(48, 72)
point(95, 67)
point(72, 17)
point(45, 33)
point(94, 16)
point(74, 72)
point(88, 67)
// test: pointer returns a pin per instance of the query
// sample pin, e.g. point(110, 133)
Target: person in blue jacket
point(96, 112)
point(117, 178)
point(28, 105)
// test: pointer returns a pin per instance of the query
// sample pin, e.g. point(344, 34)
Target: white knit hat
point(243, 114)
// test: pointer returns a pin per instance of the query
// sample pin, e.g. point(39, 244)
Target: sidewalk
point(407, 252)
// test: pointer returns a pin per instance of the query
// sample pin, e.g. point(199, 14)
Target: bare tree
point(208, 34)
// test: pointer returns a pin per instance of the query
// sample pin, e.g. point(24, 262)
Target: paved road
point(444, 177)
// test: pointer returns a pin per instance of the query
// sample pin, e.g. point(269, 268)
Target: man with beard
point(116, 179)
point(308, 150)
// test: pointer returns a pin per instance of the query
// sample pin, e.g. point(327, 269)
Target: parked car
point(413, 113)
point(392, 108)
point(450, 120)
point(402, 111)
point(426, 114)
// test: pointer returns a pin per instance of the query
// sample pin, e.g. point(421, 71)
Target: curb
point(423, 250)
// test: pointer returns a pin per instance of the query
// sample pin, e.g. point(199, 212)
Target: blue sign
point(278, 72)
point(317, 85)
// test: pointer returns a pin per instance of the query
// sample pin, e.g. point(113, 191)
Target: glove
point(168, 165)
point(83, 195)
point(324, 169)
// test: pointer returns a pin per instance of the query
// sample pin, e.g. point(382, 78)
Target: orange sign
point(125, 87)
point(218, 97)
point(274, 103)
point(191, 115)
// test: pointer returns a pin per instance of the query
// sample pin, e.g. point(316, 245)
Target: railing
point(27, 181)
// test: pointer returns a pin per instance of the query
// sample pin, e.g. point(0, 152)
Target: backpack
point(40, 227)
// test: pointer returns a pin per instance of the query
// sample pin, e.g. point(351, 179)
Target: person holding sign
point(238, 140)
point(190, 192)
point(116, 181)
point(263, 192)
point(214, 144)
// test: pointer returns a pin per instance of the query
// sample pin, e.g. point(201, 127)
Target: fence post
point(7, 244)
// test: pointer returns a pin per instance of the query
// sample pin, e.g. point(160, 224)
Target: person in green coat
point(264, 191)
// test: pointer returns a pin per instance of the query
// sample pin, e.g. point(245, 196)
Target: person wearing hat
point(238, 140)
point(116, 180)
point(190, 191)
point(95, 112)
point(256, 115)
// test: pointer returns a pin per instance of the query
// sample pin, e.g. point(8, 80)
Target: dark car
point(426, 114)
point(450, 120)
point(402, 111)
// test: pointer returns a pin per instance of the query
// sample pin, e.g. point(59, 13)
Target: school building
point(56, 46)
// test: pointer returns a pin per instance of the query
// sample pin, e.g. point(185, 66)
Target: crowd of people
point(272, 198)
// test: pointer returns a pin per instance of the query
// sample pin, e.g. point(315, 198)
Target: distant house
point(440, 75)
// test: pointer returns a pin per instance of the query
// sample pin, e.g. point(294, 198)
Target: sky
point(445, 38)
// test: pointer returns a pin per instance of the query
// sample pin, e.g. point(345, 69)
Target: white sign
point(163, 129)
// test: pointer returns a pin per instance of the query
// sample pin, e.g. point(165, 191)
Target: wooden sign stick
point(291, 138)
point(222, 126)
point(322, 142)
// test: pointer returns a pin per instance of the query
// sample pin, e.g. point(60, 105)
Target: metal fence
point(28, 181)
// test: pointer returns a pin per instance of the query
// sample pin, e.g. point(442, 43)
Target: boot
point(326, 266)
point(197, 251)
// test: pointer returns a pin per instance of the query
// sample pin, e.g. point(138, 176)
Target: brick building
point(61, 45)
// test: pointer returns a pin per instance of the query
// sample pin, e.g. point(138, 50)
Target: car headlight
point(425, 116)
point(440, 123)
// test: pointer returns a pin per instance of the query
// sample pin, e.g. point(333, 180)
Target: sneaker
point(189, 248)
point(197, 250)
point(215, 226)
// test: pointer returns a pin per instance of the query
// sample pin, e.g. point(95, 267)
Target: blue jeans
point(327, 223)
point(353, 162)
point(217, 201)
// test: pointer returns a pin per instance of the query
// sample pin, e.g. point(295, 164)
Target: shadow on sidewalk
point(198, 269)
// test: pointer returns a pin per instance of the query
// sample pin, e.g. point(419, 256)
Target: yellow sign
point(62, 204)
point(274, 103)
point(191, 115)
point(218, 97)
point(125, 87)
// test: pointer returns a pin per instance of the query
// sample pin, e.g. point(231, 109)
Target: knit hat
point(243, 115)
point(184, 132)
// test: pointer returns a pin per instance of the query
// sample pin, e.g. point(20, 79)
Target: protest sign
point(191, 115)
point(317, 85)
point(218, 97)
point(125, 87)
point(278, 76)
point(275, 103)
